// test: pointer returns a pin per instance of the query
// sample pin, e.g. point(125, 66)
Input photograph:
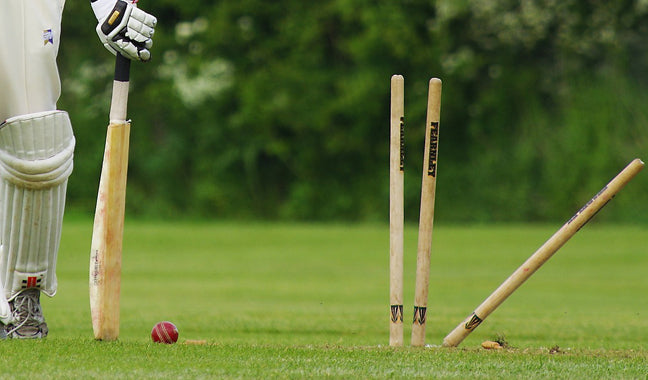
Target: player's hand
point(125, 29)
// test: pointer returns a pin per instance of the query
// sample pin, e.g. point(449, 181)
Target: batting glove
point(123, 28)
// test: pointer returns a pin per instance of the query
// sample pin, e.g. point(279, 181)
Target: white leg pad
point(5, 310)
point(36, 154)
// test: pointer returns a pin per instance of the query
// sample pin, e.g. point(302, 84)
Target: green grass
point(297, 301)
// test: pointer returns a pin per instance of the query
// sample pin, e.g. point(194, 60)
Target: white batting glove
point(123, 28)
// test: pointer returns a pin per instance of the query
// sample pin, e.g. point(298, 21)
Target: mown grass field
point(304, 301)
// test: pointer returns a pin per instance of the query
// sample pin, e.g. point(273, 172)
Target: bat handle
point(122, 68)
point(119, 103)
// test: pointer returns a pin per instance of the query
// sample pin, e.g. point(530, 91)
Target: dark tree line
point(280, 110)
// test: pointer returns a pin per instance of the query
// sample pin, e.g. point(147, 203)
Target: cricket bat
point(107, 232)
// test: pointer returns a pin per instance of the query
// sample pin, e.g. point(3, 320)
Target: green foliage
point(252, 109)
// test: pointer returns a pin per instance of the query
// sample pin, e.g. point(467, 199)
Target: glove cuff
point(102, 8)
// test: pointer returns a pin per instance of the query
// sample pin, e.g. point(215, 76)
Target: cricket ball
point(164, 332)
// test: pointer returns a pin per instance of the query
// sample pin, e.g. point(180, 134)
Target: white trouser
point(30, 33)
point(29, 83)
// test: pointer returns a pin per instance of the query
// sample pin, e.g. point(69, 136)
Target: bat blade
point(106, 248)
point(107, 232)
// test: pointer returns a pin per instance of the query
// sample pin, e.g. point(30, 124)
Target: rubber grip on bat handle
point(122, 68)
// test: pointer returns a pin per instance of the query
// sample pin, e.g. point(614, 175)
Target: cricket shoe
point(29, 322)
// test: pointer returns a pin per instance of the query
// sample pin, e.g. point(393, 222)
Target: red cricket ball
point(164, 332)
